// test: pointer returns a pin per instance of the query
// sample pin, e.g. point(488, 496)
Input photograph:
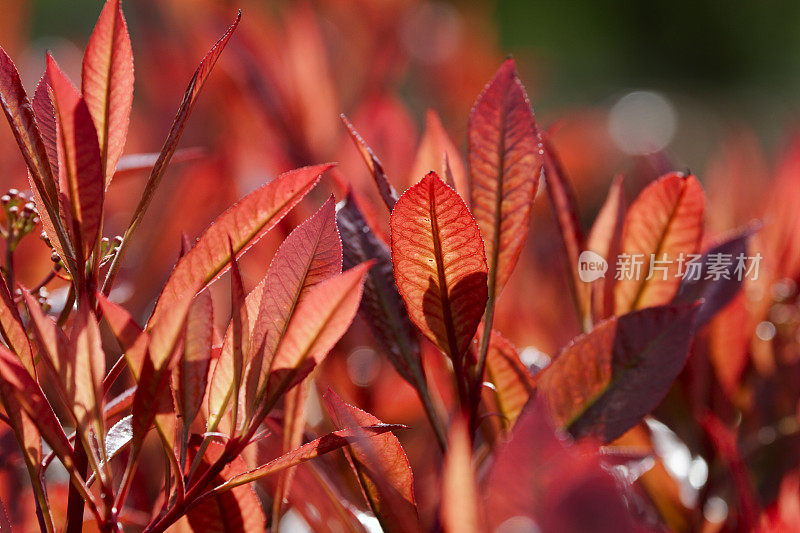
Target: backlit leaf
point(191, 371)
point(107, 83)
point(320, 320)
point(12, 330)
point(605, 239)
point(607, 380)
point(505, 158)
point(665, 221)
point(439, 264)
point(245, 223)
point(79, 164)
point(46, 120)
point(327, 443)
point(381, 467)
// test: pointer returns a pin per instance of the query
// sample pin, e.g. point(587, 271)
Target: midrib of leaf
point(488, 316)
point(449, 327)
point(661, 241)
point(107, 106)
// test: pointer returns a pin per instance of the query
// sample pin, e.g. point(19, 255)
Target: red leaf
point(505, 158)
point(436, 152)
point(46, 120)
point(245, 223)
point(240, 336)
point(381, 467)
point(19, 112)
point(460, 501)
point(388, 194)
point(605, 381)
point(20, 391)
point(665, 221)
point(320, 320)
point(13, 331)
point(327, 443)
point(539, 480)
point(439, 264)
point(717, 288)
point(107, 83)
point(191, 372)
point(309, 255)
point(85, 368)
point(79, 164)
point(235, 511)
point(565, 209)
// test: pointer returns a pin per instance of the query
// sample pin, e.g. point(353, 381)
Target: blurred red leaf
point(605, 239)
point(505, 158)
point(605, 381)
point(513, 382)
point(540, 480)
point(436, 152)
point(439, 264)
point(665, 221)
point(381, 466)
point(460, 502)
point(107, 83)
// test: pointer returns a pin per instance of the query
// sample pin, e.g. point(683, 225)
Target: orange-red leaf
point(381, 467)
point(320, 320)
point(79, 164)
point(12, 330)
point(607, 380)
point(505, 158)
point(665, 221)
point(439, 264)
point(309, 255)
point(107, 83)
point(245, 223)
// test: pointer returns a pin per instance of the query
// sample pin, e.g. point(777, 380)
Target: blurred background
point(632, 88)
point(716, 63)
